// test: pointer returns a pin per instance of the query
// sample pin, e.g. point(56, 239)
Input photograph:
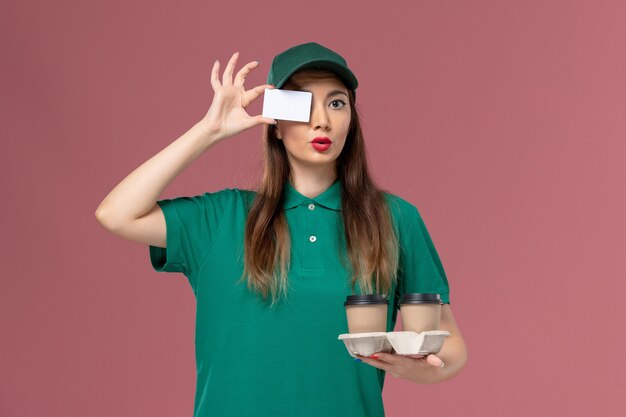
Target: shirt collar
point(331, 198)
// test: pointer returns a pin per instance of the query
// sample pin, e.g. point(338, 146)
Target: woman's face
point(330, 118)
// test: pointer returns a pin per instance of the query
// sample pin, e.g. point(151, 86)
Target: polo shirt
point(253, 360)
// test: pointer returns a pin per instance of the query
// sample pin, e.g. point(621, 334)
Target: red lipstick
point(321, 143)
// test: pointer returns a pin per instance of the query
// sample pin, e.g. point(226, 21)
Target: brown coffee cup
point(420, 312)
point(366, 313)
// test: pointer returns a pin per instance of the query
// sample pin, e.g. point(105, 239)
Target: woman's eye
point(338, 101)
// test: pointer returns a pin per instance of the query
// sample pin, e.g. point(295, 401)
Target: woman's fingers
point(228, 72)
point(259, 119)
point(253, 93)
point(244, 71)
point(227, 79)
point(435, 360)
point(215, 73)
point(376, 363)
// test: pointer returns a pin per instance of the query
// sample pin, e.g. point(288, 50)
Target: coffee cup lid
point(420, 298)
point(364, 299)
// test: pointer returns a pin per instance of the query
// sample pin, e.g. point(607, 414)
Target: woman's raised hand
point(227, 116)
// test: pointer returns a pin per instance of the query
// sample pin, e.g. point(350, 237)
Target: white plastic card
point(287, 104)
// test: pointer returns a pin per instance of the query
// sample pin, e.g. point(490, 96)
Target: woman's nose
point(319, 118)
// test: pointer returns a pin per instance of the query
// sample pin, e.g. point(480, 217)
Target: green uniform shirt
point(253, 360)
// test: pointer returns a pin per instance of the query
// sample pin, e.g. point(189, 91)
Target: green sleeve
point(420, 268)
point(192, 224)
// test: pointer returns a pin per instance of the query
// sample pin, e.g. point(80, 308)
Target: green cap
point(309, 55)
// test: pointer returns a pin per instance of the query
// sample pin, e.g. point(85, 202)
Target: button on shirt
point(255, 360)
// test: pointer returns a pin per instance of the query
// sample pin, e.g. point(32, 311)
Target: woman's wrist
point(208, 133)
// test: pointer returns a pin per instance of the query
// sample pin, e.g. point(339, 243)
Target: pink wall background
point(502, 121)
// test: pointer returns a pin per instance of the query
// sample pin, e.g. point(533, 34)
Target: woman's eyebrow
point(332, 93)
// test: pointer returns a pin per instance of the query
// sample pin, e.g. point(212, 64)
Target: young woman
point(270, 268)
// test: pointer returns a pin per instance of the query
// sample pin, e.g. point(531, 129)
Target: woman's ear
point(277, 133)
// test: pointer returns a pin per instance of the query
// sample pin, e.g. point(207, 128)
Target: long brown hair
point(370, 239)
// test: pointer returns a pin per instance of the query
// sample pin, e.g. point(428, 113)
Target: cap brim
point(345, 74)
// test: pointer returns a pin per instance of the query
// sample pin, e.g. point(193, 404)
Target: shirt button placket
point(311, 258)
point(312, 238)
